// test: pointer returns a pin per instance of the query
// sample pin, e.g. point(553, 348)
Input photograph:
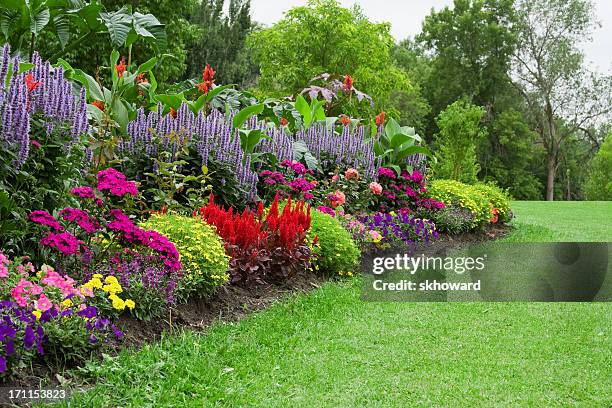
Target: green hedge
point(337, 252)
point(205, 264)
point(480, 199)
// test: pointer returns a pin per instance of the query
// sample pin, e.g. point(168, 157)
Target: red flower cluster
point(262, 248)
point(345, 120)
point(31, 83)
point(120, 68)
point(208, 79)
point(348, 83)
point(99, 105)
point(380, 119)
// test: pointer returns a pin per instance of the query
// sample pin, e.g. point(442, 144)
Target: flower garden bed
point(175, 214)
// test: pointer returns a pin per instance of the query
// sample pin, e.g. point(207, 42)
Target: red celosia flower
point(99, 105)
point(348, 83)
point(380, 119)
point(173, 112)
point(120, 68)
point(284, 122)
point(31, 83)
point(345, 120)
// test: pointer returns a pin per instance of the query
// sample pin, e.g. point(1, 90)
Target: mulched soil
point(231, 303)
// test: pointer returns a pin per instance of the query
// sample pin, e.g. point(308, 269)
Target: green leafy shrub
point(599, 183)
point(205, 263)
point(336, 251)
point(498, 199)
point(451, 220)
point(459, 134)
point(480, 199)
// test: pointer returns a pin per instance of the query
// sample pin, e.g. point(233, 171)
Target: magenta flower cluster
point(296, 166)
point(272, 177)
point(81, 218)
point(115, 182)
point(132, 233)
point(83, 192)
point(64, 242)
point(44, 218)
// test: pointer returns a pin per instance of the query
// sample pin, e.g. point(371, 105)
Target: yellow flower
point(94, 283)
point(111, 280)
point(117, 302)
point(129, 303)
point(67, 303)
point(37, 313)
point(97, 275)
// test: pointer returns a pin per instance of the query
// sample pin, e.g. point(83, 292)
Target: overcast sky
point(406, 17)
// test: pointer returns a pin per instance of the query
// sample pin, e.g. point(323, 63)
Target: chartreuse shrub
point(203, 257)
point(498, 199)
point(487, 203)
point(336, 252)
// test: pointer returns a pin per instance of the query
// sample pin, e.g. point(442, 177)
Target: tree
point(561, 94)
point(221, 40)
point(472, 44)
point(460, 131)
point(599, 182)
point(324, 37)
point(510, 157)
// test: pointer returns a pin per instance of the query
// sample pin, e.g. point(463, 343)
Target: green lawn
point(586, 221)
point(329, 348)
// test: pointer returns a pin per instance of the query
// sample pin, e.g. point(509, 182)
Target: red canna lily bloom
point(345, 120)
point(380, 119)
point(208, 75)
point(173, 112)
point(99, 105)
point(120, 68)
point(140, 79)
point(31, 83)
point(348, 83)
point(284, 122)
point(203, 87)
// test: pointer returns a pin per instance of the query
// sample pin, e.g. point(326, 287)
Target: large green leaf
point(62, 28)
point(302, 106)
point(120, 114)
point(392, 128)
point(119, 24)
point(149, 27)
point(39, 19)
point(245, 114)
point(146, 66)
point(398, 140)
point(174, 101)
point(413, 150)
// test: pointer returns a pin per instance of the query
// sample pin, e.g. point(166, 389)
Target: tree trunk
point(550, 179)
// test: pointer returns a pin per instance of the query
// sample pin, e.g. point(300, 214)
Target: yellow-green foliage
point(336, 250)
point(480, 199)
point(497, 197)
point(205, 264)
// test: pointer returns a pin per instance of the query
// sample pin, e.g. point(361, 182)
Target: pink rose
point(335, 179)
point(340, 197)
point(351, 173)
point(376, 188)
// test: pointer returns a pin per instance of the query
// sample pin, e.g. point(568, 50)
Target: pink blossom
point(376, 188)
point(44, 303)
point(351, 174)
point(44, 218)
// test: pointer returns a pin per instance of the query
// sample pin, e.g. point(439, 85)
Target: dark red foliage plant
point(264, 248)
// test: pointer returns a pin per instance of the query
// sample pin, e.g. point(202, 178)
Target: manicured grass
point(578, 221)
point(329, 348)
